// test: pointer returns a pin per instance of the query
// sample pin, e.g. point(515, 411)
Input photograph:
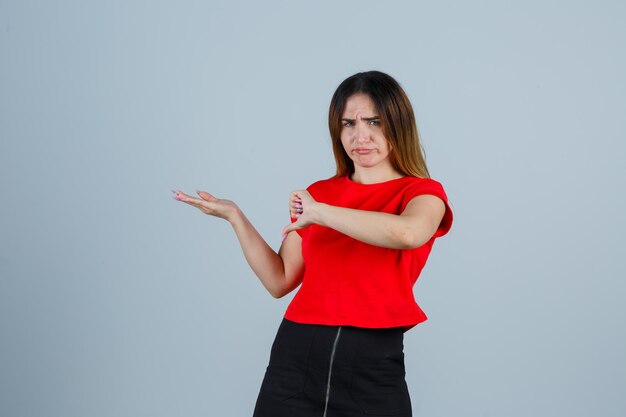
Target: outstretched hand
point(301, 207)
point(208, 204)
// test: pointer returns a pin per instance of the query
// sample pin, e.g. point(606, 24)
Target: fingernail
point(284, 236)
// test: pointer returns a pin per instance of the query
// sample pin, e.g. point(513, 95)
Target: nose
point(361, 132)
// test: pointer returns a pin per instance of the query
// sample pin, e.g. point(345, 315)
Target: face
point(362, 135)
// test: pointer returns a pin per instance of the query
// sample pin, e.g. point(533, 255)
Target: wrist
point(317, 212)
point(234, 215)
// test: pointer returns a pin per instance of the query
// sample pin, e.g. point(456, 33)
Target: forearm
point(378, 229)
point(264, 261)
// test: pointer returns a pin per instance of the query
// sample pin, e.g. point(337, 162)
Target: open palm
point(208, 204)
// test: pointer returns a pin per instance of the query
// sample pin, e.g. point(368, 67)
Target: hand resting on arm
point(411, 229)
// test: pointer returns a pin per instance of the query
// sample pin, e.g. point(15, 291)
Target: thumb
point(289, 228)
point(206, 196)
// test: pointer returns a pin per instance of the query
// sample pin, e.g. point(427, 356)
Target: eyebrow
point(367, 119)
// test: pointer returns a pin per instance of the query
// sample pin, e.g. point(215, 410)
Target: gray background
point(116, 300)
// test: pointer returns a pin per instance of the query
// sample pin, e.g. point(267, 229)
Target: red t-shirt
point(349, 282)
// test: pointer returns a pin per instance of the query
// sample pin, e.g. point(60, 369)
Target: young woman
point(357, 243)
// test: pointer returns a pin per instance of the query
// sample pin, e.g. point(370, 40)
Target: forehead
point(360, 104)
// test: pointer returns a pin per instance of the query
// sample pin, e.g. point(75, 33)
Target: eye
point(346, 123)
point(375, 122)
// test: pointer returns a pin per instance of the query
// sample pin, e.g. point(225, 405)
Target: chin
point(367, 164)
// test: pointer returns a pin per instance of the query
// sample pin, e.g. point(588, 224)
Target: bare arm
point(414, 227)
point(279, 272)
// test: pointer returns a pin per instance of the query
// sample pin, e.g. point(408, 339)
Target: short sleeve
point(432, 187)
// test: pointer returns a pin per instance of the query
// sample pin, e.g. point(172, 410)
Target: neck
point(374, 175)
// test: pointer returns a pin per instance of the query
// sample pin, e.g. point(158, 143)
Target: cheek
point(388, 146)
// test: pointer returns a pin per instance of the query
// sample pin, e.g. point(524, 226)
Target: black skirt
point(334, 371)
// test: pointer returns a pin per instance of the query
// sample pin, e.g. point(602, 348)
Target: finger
point(193, 203)
point(202, 205)
point(179, 193)
point(180, 197)
point(196, 202)
point(188, 198)
point(183, 197)
point(296, 195)
point(293, 207)
point(295, 203)
point(176, 194)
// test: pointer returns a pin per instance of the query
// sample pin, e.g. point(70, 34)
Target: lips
point(363, 151)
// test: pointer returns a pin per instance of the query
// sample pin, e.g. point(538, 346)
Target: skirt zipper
point(330, 369)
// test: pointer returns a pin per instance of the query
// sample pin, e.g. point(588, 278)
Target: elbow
point(285, 286)
point(410, 240)
point(279, 290)
point(414, 235)
point(409, 243)
point(277, 293)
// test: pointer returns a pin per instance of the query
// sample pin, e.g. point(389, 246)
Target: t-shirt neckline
point(349, 181)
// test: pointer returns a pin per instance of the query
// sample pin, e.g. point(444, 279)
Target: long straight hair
point(396, 118)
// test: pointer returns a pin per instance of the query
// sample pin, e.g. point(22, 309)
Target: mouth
point(363, 151)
